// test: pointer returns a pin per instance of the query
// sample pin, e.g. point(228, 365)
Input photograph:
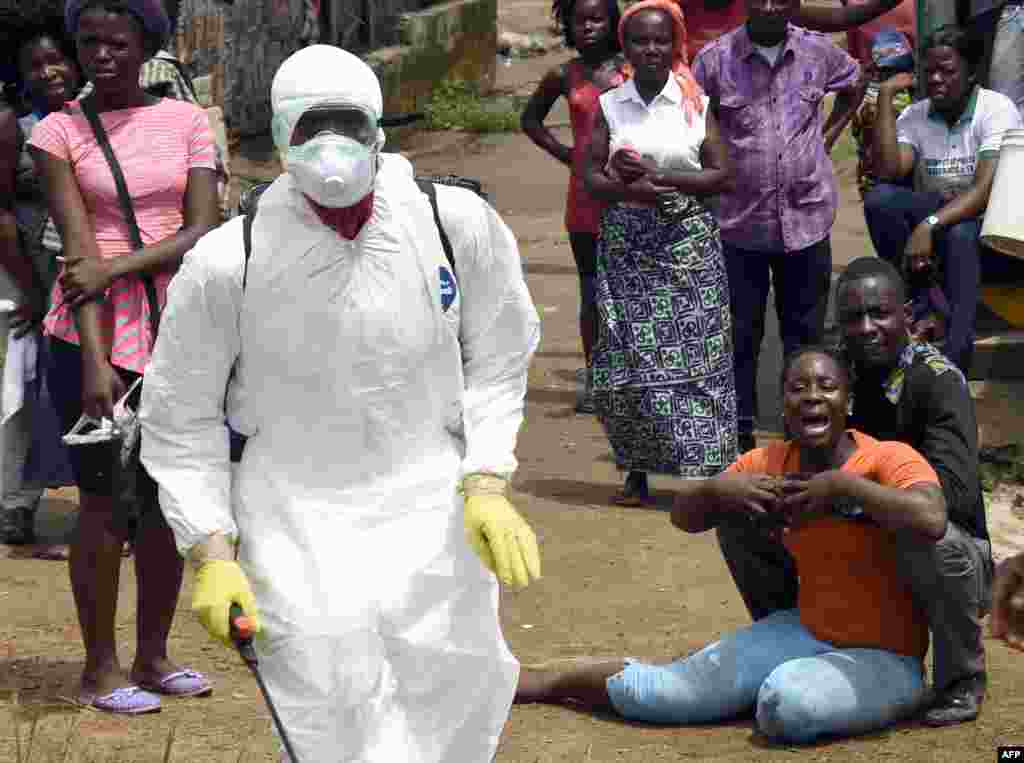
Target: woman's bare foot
point(534, 686)
point(101, 680)
point(151, 673)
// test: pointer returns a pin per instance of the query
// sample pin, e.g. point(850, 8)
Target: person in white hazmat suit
point(382, 396)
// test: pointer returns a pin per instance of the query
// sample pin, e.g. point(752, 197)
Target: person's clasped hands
point(776, 504)
point(85, 278)
point(638, 173)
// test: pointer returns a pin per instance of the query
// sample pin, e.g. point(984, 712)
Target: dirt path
point(616, 581)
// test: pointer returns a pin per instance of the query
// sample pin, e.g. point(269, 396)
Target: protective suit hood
point(319, 76)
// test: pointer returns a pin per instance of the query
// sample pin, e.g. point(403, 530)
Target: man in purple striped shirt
point(766, 80)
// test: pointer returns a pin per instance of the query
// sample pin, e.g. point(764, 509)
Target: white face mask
point(332, 170)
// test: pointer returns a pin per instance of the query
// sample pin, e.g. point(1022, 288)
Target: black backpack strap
point(247, 243)
point(237, 440)
point(430, 190)
point(184, 74)
point(248, 205)
point(126, 204)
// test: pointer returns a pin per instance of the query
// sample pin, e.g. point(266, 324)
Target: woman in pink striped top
point(99, 326)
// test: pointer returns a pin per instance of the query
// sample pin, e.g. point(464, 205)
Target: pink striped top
point(156, 147)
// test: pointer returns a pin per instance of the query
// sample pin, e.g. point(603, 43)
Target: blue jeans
point(892, 212)
point(801, 280)
point(802, 688)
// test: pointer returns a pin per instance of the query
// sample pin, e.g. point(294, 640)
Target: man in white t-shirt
point(947, 146)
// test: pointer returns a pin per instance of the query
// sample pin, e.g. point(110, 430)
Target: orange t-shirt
point(851, 593)
point(704, 25)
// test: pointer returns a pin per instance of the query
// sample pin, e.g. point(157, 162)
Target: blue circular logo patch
point(448, 288)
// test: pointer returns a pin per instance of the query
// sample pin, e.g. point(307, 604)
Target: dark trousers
point(950, 581)
point(801, 280)
point(892, 212)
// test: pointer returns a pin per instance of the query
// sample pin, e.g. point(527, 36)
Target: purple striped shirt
point(770, 119)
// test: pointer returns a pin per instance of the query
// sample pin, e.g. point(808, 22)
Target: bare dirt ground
point(616, 581)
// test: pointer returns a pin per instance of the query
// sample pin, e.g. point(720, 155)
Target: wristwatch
point(932, 220)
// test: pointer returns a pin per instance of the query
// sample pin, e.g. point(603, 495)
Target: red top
point(704, 25)
point(582, 211)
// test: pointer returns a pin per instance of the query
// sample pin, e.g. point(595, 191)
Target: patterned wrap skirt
point(662, 367)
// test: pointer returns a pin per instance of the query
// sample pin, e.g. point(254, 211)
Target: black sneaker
point(958, 703)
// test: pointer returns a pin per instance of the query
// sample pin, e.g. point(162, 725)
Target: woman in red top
point(589, 27)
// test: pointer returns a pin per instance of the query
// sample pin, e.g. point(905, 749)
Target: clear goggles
point(299, 123)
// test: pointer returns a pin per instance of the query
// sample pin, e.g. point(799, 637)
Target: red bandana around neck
point(345, 221)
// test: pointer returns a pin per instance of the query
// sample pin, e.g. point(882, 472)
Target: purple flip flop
point(129, 700)
point(181, 683)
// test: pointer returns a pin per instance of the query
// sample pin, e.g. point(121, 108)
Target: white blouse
point(658, 130)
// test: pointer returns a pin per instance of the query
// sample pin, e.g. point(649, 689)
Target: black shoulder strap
point(430, 190)
point(247, 205)
point(247, 243)
point(183, 73)
point(126, 205)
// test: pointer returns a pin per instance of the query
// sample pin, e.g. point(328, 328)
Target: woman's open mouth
point(814, 425)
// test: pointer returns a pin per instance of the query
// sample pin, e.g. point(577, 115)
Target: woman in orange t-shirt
point(849, 659)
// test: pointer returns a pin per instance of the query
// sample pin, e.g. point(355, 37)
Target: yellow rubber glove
point(497, 532)
point(219, 584)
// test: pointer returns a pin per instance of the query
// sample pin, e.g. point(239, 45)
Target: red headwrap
point(693, 105)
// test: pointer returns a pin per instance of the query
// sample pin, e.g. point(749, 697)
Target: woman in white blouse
point(662, 366)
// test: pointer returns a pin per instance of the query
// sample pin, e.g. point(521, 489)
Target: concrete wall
point(234, 50)
point(457, 39)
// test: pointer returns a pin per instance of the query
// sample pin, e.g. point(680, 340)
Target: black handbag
point(133, 490)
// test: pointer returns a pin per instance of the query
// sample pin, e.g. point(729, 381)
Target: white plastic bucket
point(1003, 229)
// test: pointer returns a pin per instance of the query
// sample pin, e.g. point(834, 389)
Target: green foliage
point(845, 151)
point(1001, 465)
point(458, 105)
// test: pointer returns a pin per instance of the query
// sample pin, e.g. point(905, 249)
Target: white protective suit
point(366, 398)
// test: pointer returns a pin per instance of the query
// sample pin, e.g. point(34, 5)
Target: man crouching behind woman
point(849, 658)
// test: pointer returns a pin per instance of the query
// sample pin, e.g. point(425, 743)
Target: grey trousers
point(951, 581)
point(15, 442)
